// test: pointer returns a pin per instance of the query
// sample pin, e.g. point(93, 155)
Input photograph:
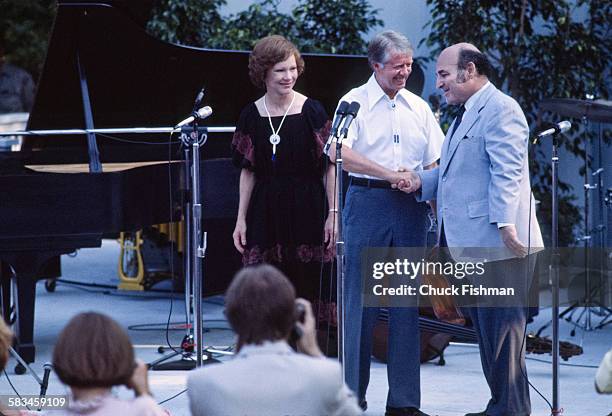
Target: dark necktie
point(457, 120)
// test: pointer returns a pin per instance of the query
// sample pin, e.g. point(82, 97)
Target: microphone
point(202, 114)
point(198, 100)
point(45, 381)
point(340, 114)
point(560, 127)
point(351, 113)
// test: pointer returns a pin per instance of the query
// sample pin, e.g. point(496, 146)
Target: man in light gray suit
point(484, 201)
point(267, 377)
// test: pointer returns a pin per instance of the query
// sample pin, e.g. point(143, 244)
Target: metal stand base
point(187, 360)
point(185, 363)
point(584, 320)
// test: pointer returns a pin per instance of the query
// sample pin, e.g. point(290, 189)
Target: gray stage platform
point(450, 390)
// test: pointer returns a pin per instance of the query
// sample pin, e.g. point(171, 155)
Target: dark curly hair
point(268, 52)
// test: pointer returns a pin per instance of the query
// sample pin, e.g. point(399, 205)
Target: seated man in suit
point(266, 377)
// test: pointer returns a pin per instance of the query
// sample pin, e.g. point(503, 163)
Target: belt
point(371, 183)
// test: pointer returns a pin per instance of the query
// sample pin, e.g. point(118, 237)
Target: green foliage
point(25, 26)
point(541, 49)
point(327, 26)
point(242, 30)
point(324, 26)
point(334, 26)
point(190, 22)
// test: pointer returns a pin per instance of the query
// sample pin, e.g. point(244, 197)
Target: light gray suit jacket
point(483, 179)
point(271, 380)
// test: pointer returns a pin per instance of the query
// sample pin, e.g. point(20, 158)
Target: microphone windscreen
point(564, 126)
point(342, 108)
point(353, 108)
point(205, 112)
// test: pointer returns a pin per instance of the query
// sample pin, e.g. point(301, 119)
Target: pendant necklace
point(274, 137)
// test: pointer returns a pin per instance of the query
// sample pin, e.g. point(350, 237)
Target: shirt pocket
point(474, 144)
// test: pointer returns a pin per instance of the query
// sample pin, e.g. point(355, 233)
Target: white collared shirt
point(470, 101)
point(398, 132)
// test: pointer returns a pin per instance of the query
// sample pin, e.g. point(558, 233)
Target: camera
point(299, 314)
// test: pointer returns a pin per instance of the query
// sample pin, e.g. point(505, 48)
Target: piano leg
point(26, 294)
point(27, 267)
point(5, 291)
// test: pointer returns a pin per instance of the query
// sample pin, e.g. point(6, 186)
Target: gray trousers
point(501, 338)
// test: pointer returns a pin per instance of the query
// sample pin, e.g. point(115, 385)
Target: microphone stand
point(340, 256)
point(195, 256)
point(553, 275)
point(554, 278)
point(193, 137)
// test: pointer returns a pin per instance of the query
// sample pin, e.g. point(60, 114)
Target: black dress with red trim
point(288, 205)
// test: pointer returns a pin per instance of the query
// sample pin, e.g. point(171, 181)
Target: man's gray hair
point(386, 43)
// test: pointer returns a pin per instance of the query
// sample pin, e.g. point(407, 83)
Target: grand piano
point(102, 70)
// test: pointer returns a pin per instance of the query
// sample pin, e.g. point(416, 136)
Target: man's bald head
point(462, 70)
point(463, 53)
point(453, 50)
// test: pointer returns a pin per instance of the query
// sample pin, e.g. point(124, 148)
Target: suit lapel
point(469, 119)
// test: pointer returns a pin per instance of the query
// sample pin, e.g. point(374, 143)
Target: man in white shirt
point(266, 377)
point(393, 131)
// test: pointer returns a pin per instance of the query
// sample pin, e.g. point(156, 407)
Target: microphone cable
point(172, 397)
point(172, 247)
point(14, 389)
point(321, 306)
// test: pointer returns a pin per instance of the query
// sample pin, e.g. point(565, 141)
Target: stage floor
point(453, 389)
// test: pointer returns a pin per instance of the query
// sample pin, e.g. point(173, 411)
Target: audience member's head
point(93, 351)
point(6, 340)
point(260, 305)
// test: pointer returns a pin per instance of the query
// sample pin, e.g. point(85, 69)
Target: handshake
point(405, 180)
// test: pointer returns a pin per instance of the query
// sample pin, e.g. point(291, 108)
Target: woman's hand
point(139, 382)
point(331, 229)
point(240, 235)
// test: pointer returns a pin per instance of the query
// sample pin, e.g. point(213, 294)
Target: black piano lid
point(135, 80)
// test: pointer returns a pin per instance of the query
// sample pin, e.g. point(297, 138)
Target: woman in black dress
point(285, 216)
